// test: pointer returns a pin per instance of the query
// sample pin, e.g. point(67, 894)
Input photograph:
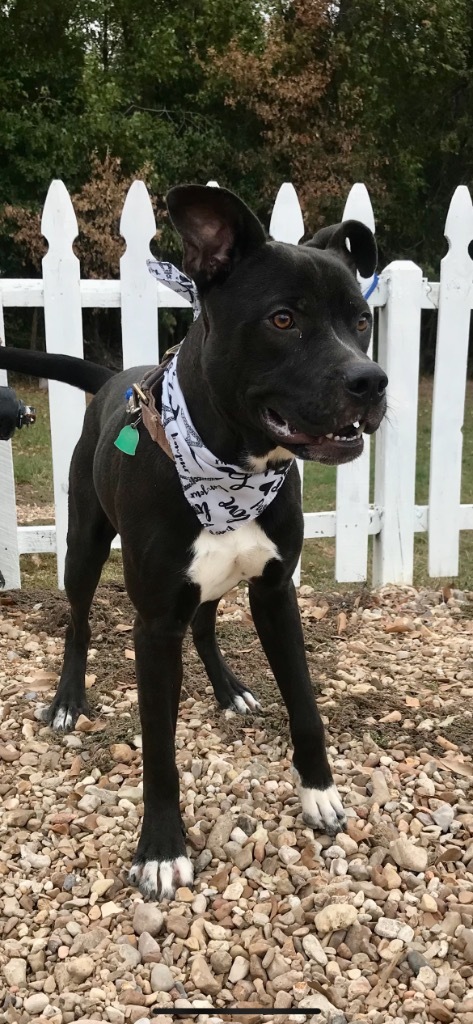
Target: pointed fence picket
point(140, 344)
point(353, 480)
point(395, 461)
point(287, 225)
point(9, 560)
point(455, 302)
point(401, 293)
point(63, 327)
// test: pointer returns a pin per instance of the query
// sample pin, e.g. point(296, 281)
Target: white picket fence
point(401, 294)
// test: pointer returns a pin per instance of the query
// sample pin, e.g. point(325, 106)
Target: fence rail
point(400, 295)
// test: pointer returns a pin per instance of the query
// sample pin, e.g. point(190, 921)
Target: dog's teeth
point(330, 437)
point(337, 437)
point(356, 424)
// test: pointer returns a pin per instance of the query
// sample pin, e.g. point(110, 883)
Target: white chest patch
point(219, 562)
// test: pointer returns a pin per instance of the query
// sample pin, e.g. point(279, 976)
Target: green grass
point(33, 474)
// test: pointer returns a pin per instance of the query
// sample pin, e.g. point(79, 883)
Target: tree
point(406, 67)
point(304, 132)
point(41, 96)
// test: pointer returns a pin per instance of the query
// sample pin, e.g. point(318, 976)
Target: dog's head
point(286, 328)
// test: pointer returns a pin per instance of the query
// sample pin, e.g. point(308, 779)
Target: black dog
point(13, 416)
point(275, 367)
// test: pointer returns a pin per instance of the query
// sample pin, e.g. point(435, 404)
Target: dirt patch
point(330, 644)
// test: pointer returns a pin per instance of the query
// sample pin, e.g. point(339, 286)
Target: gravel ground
point(376, 925)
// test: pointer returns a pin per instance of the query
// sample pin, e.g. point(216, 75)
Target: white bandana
point(222, 496)
point(169, 275)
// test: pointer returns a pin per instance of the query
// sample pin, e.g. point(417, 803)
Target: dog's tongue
point(288, 433)
point(301, 438)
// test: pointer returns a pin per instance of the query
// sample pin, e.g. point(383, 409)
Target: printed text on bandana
point(222, 496)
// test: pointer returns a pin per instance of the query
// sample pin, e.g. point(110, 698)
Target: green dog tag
point(127, 440)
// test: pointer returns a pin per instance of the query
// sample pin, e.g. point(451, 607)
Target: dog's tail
point(80, 373)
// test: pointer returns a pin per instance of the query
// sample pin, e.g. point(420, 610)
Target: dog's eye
point(282, 319)
point(363, 323)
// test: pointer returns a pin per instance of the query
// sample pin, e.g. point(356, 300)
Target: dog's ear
point(217, 230)
point(361, 255)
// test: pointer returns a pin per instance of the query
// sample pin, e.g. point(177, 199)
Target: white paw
point(62, 721)
point(159, 879)
point(244, 702)
point(322, 809)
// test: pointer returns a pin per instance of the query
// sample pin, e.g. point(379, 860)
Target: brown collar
point(145, 401)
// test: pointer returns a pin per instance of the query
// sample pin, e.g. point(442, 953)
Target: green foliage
point(41, 96)
point(405, 68)
point(249, 93)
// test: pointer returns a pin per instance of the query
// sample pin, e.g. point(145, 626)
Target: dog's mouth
point(340, 445)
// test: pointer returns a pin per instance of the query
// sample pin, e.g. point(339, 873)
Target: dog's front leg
point(161, 864)
point(277, 620)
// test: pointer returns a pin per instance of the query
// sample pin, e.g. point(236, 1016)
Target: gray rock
point(220, 834)
point(428, 977)
point(146, 944)
point(358, 938)
point(359, 870)
point(88, 803)
point(467, 938)
point(199, 904)
point(220, 961)
point(15, 972)
point(105, 796)
point(247, 824)
point(313, 949)
point(132, 793)
point(409, 856)
point(278, 966)
point(36, 1003)
point(62, 977)
point(330, 1013)
point(69, 882)
point(443, 816)
point(202, 861)
point(147, 918)
point(203, 978)
point(244, 857)
point(162, 980)
point(389, 928)
point(239, 969)
point(380, 789)
point(335, 916)
point(80, 968)
point(89, 940)
point(451, 922)
point(129, 954)
point(416, 961)
point(37, 960)
point(232, 849)
point(53, 944)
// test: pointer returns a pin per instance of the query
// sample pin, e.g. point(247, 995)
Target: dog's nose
point(367, 382)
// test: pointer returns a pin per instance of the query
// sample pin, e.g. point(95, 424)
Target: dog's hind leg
point(89, 537)
point(229, 691)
